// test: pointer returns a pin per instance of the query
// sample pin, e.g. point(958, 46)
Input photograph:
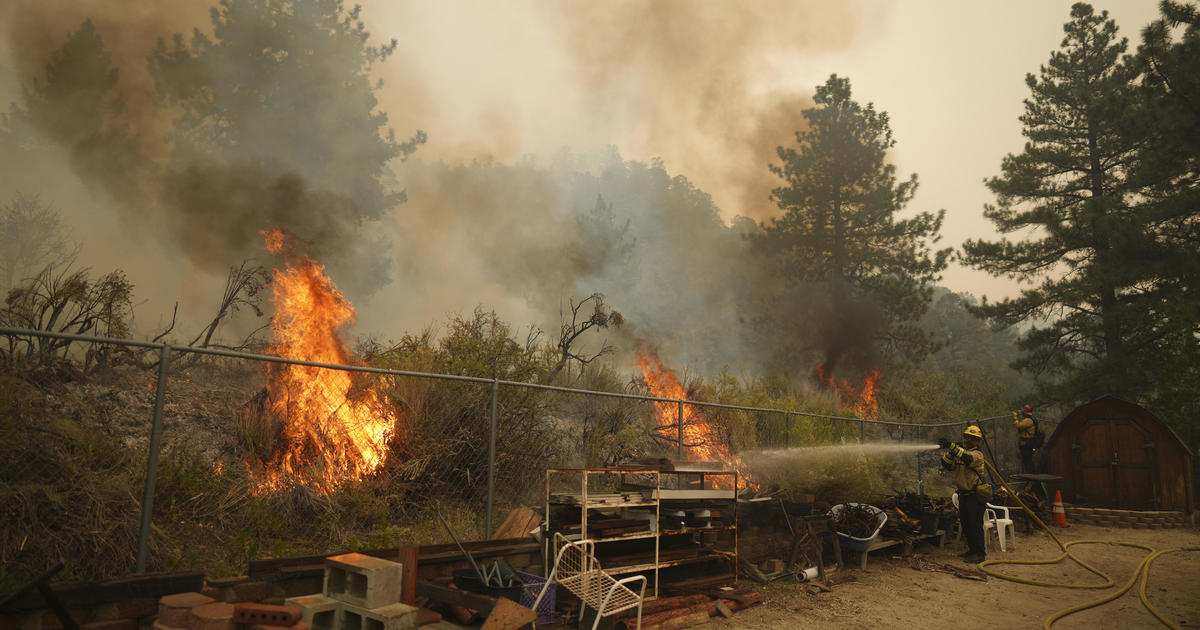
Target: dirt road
point(891, 593)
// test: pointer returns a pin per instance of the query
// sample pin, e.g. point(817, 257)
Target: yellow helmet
point(973, 431)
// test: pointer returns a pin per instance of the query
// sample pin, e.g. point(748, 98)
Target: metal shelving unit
point(634, 491)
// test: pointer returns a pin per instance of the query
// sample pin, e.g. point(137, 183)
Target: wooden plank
point(518, 524)
point(456, 597)
point(508, 615)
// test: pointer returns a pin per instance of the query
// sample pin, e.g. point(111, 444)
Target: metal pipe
point(152, 460)
point(491, 496)
point(679, 426)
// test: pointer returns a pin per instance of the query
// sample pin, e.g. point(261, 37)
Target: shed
point(1113, 453)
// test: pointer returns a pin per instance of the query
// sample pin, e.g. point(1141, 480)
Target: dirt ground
point(895, 592)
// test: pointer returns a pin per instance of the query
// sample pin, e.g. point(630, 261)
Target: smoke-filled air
point(435, 156)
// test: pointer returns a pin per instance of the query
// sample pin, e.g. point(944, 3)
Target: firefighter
point(1026, 430)
point(966, 460)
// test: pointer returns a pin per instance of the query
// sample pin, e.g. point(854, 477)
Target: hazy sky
point(711, 87)
point(951, 74)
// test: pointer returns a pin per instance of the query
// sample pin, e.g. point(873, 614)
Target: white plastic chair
point(992, 521)
point(1003, 525)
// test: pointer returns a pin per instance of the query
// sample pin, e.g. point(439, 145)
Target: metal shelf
point(651, 561)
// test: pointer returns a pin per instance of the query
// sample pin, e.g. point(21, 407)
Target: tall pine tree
point(839, 237)
point(1069, 196)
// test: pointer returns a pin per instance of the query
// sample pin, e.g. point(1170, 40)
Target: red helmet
point(1027, 410)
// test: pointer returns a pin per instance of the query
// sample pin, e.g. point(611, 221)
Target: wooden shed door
point(1115, 464)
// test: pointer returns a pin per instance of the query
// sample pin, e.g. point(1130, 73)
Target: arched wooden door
point(1115, 457)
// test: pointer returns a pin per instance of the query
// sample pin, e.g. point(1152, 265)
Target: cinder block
point(264, 614)
point(318, 611)
point(392, 617)
point(214, 616)
point(174, 610)
point(363, 581)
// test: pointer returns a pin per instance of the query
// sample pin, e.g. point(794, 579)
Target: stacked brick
point(1106, 517)
point(360, 593)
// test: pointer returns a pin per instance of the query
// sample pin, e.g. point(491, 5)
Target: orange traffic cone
point(1060, 512)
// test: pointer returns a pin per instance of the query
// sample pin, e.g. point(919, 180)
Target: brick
point(214, 616)
point(174, 610)
point(393, 617)
point(277, 590)
point(116, 624)
point(363, 581)
point(47, 620)
point(211, 591)
point(266, 615)
point(318, 611)
point(251, 592)
point(299, 625)
point(298, 587)
point(771, 565)
point(159, 626)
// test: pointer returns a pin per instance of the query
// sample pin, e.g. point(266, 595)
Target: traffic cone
point(1060, 512)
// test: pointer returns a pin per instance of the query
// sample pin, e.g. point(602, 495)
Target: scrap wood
point(518, 524)
point(508, 615)
point(676, 623)
point(958, 572)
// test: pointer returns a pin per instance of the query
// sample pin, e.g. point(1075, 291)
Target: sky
point(710, 87)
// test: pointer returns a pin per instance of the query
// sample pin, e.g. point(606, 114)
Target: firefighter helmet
point(973, 431)
point(1027, 410)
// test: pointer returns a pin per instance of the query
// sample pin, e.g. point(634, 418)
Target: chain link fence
point(161, 459)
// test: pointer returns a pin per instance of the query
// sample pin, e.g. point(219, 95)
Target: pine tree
point(1068, 194)
point(839, 235)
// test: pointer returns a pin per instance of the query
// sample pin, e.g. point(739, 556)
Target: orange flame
point(699, 437)
point(861, 399)
point(328, 437)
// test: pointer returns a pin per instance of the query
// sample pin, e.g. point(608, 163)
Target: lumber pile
point(685, 611)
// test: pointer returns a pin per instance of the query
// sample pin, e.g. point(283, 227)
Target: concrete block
point(363, 581)
point(391, 617)
point(174, 610)
point(249, 614)
point(214, 616)
point(318, 611)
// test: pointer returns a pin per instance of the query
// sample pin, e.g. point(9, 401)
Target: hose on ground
point(1142, 572)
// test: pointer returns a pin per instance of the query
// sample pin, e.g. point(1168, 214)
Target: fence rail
point(494, 384)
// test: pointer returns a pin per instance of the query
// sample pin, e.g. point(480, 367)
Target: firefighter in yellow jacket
point(1026, 430)
point(966, 460)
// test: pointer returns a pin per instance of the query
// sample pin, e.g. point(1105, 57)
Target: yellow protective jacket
point(967, 476)
point(1025, 428)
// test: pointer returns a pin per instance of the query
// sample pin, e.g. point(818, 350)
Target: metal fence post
point(152, 461)
point(491, 497)
point(862, 432)
point(787, 430)
point(680, 427)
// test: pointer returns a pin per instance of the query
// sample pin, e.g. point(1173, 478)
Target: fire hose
point(1142, 572)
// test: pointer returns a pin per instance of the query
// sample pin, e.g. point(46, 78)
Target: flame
point(328, 436)
point(861, 399)
point(699, 437)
